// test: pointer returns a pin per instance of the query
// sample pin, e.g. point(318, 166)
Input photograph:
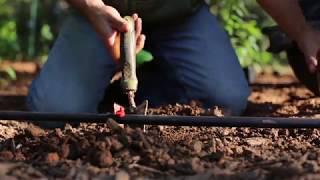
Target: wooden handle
point(128, 57)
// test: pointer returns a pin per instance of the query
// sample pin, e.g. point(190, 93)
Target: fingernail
point(135, 15)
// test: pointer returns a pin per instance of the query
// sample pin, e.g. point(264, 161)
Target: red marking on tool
point(119, 110)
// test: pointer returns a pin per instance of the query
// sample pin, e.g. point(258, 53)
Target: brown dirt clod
point(52, 157)
point(102, 158)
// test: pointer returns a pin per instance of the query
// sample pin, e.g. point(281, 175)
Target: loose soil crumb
point(106, 151)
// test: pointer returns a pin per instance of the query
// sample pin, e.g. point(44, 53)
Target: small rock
point(166, 156)
point(35, 131)
point(275, 133)
point(136, 158)
point(197, 146)
point(171, 162)
point(213, 147)
point(257, 141)
point(19, 156)
point(58, 132)
point(52, 157)
point(196, 165)
point(219, 113)
point(116, 145)
point(103, 159)
point(122, 175)
point(237, 150)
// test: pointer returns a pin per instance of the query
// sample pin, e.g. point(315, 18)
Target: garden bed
point(96, 151)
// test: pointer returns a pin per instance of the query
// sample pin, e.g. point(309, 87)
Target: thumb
point(117, 22)
point(312, 63)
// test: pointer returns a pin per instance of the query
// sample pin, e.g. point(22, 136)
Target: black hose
point(58, 117)
point(259, 122)
point(210, 121)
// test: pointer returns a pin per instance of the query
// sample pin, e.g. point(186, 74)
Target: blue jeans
point(195, 61)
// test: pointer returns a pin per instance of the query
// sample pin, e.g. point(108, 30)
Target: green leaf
point(144, 56)
point(46, 32)
point(11, 73)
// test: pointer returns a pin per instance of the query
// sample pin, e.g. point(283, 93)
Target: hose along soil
point(98, 151)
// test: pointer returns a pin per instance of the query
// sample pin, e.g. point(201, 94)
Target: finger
point(140, 43)
point(312, 63)
point(138, 26)
point(135, 16)
point(117, 22)
point(110, 37)
point(107, 34)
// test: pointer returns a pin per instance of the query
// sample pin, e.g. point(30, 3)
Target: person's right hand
point(309, 44)
point(108, 23)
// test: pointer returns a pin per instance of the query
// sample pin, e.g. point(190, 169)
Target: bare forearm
point(289, 16)
point(86, 6)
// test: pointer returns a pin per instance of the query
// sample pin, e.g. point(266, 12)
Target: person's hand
point(309, 44)
point(108, 23)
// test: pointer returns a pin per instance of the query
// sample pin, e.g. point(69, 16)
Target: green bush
point(8, 39)
point(244, 32)
point(26, 28)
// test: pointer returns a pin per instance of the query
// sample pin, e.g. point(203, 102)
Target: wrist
point(93, 7)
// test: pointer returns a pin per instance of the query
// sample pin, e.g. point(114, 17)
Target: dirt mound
point(193, 109)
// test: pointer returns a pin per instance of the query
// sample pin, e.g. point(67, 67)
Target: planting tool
point(125, 51)
point(129, 81)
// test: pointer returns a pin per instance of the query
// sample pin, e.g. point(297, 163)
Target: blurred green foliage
point(20, 21)
point(241, 23)
point(8, 39)
point(27, 28)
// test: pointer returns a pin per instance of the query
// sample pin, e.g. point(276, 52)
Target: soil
point(108, 151)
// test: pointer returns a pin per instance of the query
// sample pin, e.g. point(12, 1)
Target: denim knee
point(234, 101)
point(44, 102)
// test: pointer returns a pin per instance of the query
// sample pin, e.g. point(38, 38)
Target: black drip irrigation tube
point(208, 121)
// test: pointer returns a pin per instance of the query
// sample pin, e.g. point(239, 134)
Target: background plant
point(243, 21)
point(28, 27)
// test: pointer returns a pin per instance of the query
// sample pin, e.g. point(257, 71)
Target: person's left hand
point(309, 44)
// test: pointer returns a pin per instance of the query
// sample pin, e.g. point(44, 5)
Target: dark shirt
point(156, 11)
